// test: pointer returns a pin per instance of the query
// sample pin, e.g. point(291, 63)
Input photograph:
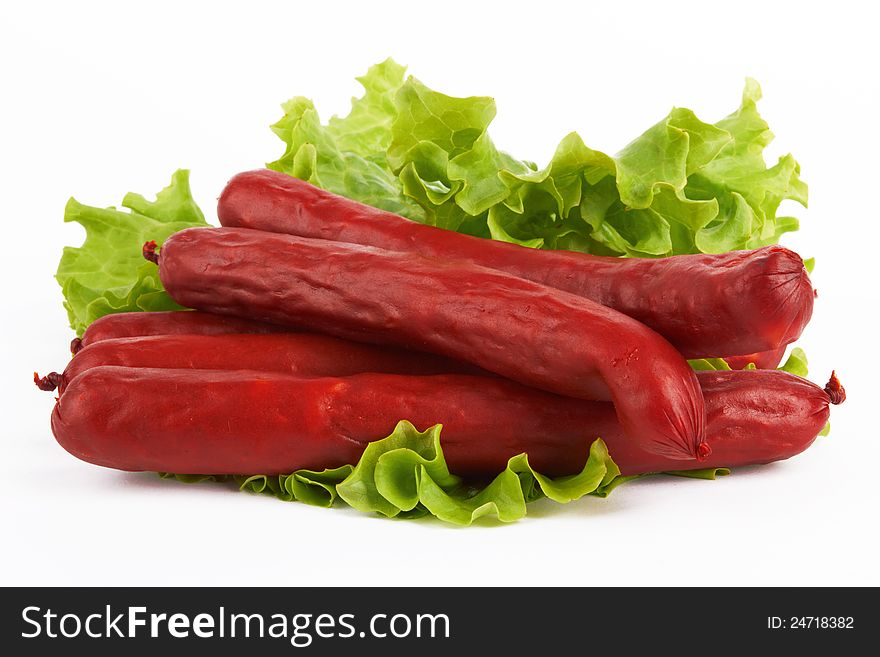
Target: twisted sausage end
point(149, 251)
point(49, 382)
point(835, 390)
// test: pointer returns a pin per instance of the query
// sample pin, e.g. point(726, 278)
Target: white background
point(101, 99)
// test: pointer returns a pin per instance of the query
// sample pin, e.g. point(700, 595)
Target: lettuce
point(405, 476)
point(710, 364)
point(682, 186)
point(108, 273)
point(796, 364)
point(348, 156)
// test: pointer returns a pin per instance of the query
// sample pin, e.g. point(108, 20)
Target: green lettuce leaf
point(309, 486)
point(709, 364)
point(705, 473)
point(405, 476)
point(348, 155)
point(682, 186)
point(796, 363)
point(748, 192)
point(108, 273)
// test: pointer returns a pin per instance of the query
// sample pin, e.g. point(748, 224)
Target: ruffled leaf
point(108, 273)
point(796, 363)
point(709, 364)
point(405, 476)
point(705, 473)
point(348, 155)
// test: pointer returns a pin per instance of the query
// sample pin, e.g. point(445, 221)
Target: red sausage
point(706, 305)
point(239, 422)
point(751, 418)
point(304, 354)
point(527, 332)
point(170, 322)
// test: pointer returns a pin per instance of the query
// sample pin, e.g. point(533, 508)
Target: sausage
point(752, 418)
point(706, 305)
point(305, 354)
point(166, 322)
point(245, 422)
point(530, 333)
